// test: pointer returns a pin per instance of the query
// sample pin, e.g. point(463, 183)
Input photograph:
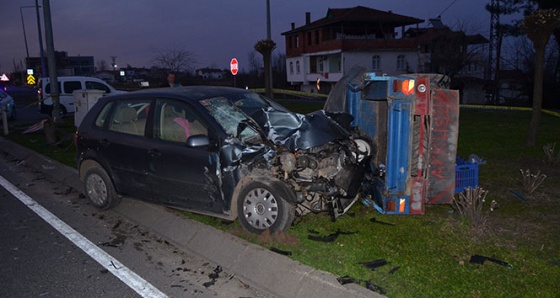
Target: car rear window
point(102, 117)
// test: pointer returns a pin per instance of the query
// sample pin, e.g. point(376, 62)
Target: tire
point(99, 189)
point(261, 207)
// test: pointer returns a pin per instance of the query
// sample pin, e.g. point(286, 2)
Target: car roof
point(66, 78)
point(187, 92)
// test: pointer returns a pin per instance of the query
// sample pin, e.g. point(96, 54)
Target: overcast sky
point(214, 31)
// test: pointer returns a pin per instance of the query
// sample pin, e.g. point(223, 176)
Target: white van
point(67, 85)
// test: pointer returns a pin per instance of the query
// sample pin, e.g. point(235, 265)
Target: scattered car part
point(478, 259)
point(373, 220)
point(374, 264)
point(375, 288)
point(347, 279)
point(329, 238)
point(394, 269)
point(282, 252)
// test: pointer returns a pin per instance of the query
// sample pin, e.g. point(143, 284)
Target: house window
point(309, 38)
point(317, 37)
point(401, 62)
point(375, 62)
point(320, 62)
point(297, 41)
point(291, 67)
point(297, 67)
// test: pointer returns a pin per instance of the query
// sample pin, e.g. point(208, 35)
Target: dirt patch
point(280, 237)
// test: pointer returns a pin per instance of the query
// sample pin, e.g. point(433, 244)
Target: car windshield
point(228, 116)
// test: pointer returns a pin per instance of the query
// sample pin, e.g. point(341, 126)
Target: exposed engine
point(327, 177)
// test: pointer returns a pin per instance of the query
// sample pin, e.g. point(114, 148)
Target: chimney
point(293, 26)
point(307, 18)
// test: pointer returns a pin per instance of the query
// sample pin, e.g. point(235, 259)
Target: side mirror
point(198, 141)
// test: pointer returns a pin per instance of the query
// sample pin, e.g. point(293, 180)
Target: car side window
point(97, 86)
point(71, 86)
point(176, 122)
point(129, 117)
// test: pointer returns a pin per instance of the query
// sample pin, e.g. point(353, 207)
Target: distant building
point(456, 54)
point(66, 65)
point(210, 73)
point(327, 48)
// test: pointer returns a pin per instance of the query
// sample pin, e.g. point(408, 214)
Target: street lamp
point(36, 6)
point(25, 35)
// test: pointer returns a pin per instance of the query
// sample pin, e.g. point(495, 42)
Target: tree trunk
point(49, 127)
point(537, 96)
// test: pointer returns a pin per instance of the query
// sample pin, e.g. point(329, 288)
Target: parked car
point(66, 86)
point(220, 151)
point(7, 103)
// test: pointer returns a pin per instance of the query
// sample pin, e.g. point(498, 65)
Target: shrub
point(470, 206)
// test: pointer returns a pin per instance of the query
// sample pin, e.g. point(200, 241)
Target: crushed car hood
point(297, 131)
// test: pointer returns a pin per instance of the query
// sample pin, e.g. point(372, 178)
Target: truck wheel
point(100, 190)
point(260, 207)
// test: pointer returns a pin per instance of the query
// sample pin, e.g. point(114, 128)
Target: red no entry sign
point(233, 66)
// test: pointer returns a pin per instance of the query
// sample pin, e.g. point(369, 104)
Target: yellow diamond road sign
point(30, 80)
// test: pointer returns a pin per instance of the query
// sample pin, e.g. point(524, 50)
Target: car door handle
point(154, 153)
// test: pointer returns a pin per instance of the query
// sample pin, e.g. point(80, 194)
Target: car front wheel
point(261, 207)
point(100, 190)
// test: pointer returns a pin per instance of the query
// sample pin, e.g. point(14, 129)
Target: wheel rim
point(260, 208)
point(96, 189)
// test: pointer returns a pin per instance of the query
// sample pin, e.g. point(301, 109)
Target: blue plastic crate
point(466, 175)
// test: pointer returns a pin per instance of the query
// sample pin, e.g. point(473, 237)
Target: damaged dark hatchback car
point(224, 152)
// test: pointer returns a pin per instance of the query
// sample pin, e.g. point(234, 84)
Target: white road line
point(131, 279)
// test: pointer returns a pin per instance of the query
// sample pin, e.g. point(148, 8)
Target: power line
point(448, 6)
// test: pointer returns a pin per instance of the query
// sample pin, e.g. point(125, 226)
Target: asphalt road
point(38, 261)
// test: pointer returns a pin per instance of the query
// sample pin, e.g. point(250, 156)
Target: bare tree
point(174, 59)
point(102, 65)
point(255, 64)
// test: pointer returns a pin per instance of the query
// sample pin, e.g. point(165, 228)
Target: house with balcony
point(460, 56)
point(329, 47)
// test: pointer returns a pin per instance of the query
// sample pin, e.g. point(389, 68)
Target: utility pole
point(269, 37)
point(24, 35)
point(43, 66)
point(51, 60)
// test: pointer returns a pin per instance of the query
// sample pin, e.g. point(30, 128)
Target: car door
point(123, 147)
point(180, 175)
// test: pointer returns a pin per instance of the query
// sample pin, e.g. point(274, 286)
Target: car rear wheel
point(100, 190)
point(261, 207)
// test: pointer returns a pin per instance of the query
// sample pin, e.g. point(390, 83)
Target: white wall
point(388, 61)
